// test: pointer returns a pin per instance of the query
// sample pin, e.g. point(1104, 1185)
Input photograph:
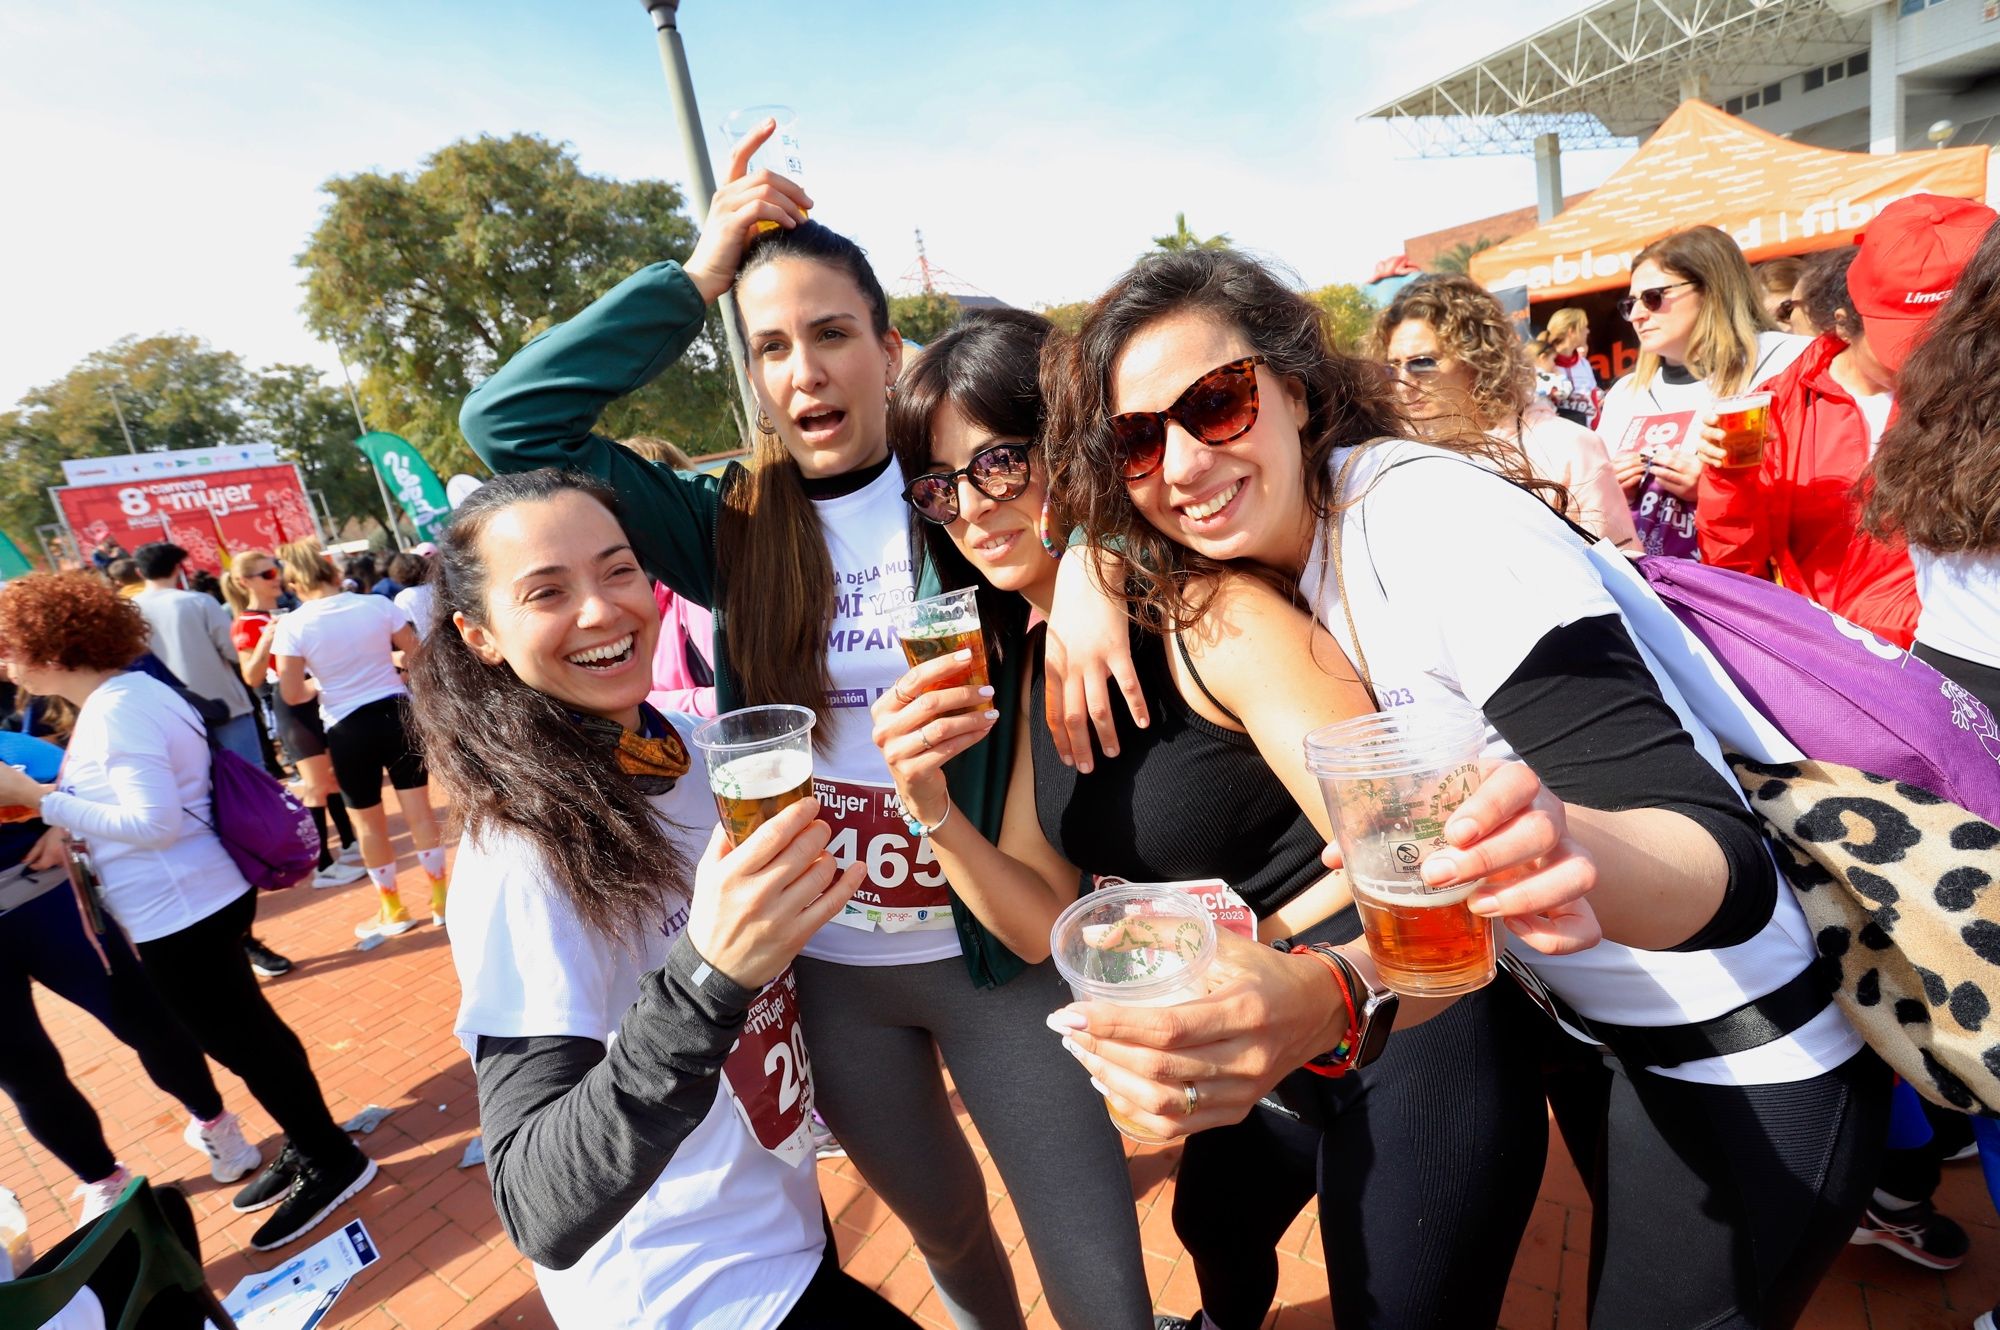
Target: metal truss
point(1613, 72)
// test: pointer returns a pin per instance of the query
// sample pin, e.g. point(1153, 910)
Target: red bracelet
point(1340, 1060)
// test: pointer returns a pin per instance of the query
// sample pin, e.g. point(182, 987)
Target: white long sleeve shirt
point(135, 787)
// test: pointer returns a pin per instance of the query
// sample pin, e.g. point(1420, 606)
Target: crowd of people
point(1196, 533)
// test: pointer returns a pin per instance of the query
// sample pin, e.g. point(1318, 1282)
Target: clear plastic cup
point(760, 762)
point(1745, 422)
point(1136, 946)
point(780, 154)
point(1391, 782)
point(940, 626)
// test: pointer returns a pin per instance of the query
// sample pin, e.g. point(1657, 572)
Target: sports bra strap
point(1194, 673)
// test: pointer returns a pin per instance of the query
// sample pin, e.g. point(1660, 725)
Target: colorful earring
point(1042, 528)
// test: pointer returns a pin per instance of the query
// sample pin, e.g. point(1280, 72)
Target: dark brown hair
point(1936, 478)
point(986, 366)
point(1826, 297)
point(70, 621)
point(1349, 402)
point(514, 758)
point(777, 599)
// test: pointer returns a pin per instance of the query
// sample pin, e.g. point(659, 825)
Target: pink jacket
point(674, 688)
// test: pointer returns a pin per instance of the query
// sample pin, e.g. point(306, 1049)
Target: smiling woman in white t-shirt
point(1735, 1122)
point(642, 1086)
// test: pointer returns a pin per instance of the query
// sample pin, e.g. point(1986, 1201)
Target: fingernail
point(1064, 1019)
point(963, 655)
point(1083, 767)
point(1069, 1047)
point(1483, 905)
point(1111, 750)
point(1460, 830)
point(1103, 1090)
point(991, 715)
point(1439, 869)
point(986, 691)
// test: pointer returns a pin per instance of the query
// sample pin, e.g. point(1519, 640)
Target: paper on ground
point(298, 1294)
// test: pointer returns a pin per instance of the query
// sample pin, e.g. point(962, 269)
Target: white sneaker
point(99, 1197)
point(339, 873)
point(229, 1155)
point(351, 854)
point(1988, 1320)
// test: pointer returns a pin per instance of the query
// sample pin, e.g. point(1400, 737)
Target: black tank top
point(1185, 798)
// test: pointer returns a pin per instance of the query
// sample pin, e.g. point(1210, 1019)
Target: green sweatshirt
point(539, 410)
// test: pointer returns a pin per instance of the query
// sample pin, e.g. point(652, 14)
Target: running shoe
point(351, 853)
point(339, 873)
point(265, 961)
point(100, 1196)
point(1919, 1234)
point(229, 1155)
point(825, 1146)
point(440, 888)
point(1988, 1320)
point(270, 1186)
point(315, 1192)
point(386, 923)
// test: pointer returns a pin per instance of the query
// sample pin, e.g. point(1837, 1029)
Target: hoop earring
point(1042, 529)
point(764, 425)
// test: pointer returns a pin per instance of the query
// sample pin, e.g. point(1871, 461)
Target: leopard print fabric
point(1903, 889)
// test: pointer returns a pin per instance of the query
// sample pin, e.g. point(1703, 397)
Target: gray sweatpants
point(874, 1034)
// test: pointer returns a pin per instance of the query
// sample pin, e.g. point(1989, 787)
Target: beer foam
point(762, 775)
point(935, 629)
point(1407, 893)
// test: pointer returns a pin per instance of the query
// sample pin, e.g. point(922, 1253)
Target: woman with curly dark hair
point(1460, 367)
point(1937, 476)
point(127, 800)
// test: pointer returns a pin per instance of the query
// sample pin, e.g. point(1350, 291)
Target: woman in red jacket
point(1795, 518)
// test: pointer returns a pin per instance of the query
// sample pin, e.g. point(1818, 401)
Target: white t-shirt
point(344, 640)
point(1961, 604)
point(729, 1236)
point(1453, 575)
point(1875, 408)
point(1565, 452)
point(135, 787)
point(416, 603)
point(909, 920)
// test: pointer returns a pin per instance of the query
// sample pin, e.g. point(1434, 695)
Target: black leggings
point(1717, 1207)
point(206, 980)
point(838, 1301)
point(1426, 1172)
point(45, 940)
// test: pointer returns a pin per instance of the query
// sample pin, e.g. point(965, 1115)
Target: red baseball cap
point(1911, 255)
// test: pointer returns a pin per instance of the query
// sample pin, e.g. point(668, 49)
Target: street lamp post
point(111, 390)
point(360, 428)
point(701, 176)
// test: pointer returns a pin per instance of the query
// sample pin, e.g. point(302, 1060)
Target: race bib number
point(1655, 433)
point(1226, 909)
point(769, 1075)
point(905, 887)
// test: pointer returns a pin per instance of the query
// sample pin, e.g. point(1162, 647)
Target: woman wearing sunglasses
point(1214, 790)
point(1460, 367)
point(1703, 334)
point(804, 560)
point(253, 584)
point(1729, 1137)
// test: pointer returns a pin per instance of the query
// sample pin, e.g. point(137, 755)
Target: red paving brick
point(378, 1027)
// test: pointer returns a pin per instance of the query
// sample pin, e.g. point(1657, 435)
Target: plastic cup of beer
point(940, 626)
point(1136, 946)
point(780, 154)
point(760, 762)
point(1744, 421)
point(1391, 782)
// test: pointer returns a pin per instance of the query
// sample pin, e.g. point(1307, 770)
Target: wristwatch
point(1375, 1005)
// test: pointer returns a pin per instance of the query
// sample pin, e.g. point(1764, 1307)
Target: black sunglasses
point(999, 471)
point(1652, 298)
point(1217, 408)
point(1786, 308)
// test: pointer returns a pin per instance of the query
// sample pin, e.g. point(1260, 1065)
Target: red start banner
point(257, 507)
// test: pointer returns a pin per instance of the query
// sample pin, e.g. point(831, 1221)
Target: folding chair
point(163, 1264)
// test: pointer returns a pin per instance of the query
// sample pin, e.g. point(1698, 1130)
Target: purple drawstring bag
point(268, 832)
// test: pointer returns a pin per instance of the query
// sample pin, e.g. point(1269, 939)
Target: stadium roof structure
point(1611, 73)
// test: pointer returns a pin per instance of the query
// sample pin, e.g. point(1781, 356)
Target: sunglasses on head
point(1785, 310)
point(1417, 367)
point(1217, 408)
point(999, 471)
point(1652, 298)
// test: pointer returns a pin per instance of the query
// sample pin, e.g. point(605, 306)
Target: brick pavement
point(377, 1025)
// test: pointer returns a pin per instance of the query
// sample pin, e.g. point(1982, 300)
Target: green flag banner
point(410, 480)
point(13, 563)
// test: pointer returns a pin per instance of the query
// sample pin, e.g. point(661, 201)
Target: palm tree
point(1183, 239)
point(1458, 259)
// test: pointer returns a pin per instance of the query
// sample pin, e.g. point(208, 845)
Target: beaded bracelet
point(1340, 1059)
point(919, 830)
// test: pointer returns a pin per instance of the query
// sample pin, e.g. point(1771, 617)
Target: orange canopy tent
point(1704, 165)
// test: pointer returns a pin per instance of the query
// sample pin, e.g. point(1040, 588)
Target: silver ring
point(1193, 1099)
point(924, 733)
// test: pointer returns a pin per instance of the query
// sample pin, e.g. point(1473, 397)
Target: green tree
point(924, 316)
point(1348, 312)
point(176, 392)
point(312, 425)
point(433, 279)
point(1181, 239)
point(1069, 317)
point(1458, 259)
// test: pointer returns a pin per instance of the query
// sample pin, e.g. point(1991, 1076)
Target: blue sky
point(164, 161)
